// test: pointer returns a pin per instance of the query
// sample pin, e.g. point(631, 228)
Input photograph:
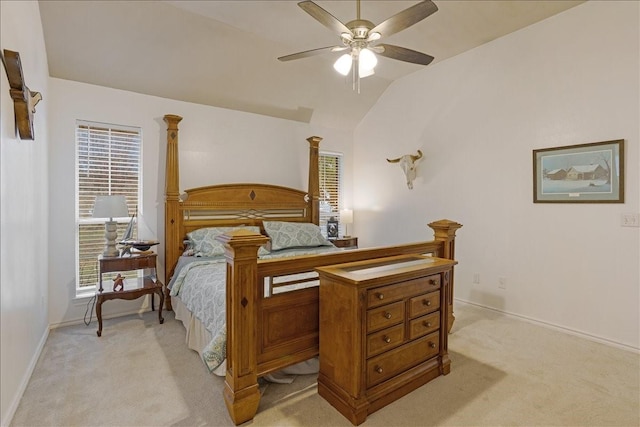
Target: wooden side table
point(133, 287)
point(346, 242)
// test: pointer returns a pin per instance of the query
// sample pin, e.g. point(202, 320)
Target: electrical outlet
point(476, 278)
point(630, 220)
point(502, 283)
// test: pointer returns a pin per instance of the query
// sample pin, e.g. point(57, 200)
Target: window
point(108, 162)
point(330, 187)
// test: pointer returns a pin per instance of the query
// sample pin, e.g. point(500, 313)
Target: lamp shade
point(114, 206)
point(346, 216)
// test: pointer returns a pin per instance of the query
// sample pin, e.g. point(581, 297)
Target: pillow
point(203, 243)
point(294, 235)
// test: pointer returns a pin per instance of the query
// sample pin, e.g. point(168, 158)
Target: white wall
point(571, 79)
point(217, 145)
point(23, 213)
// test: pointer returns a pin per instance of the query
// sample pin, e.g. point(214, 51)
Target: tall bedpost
point(314, 178)
point(241, 392)
point(172, 217)
point(445, 231)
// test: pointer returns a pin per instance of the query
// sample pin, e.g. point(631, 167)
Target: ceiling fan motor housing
point(360, 28)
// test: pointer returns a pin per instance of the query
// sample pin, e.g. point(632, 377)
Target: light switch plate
point(630, 220)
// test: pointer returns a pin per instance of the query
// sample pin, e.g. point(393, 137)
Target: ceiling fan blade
point(324, 17)
point(405, 19)
point(404, 54)
point(312, 52)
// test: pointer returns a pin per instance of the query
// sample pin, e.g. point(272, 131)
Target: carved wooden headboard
point(230, 204)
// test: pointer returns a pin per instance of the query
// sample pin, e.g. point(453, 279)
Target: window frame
point(117, 136)
point(336, 201)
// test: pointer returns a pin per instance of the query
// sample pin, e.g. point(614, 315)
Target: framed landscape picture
point(586, 173)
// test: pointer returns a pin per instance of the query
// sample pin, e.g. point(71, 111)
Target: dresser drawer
point(424, 304)
point(398, 291)
point(393, 362)
point(424, 325)
point(385, 339)
point(385, 316)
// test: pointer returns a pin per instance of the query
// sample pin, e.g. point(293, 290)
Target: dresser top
point(401, 267)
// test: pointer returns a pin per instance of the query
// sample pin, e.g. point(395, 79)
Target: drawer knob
point(387, 315)
point(378, 369)
point(433, 282)
point(386, 339)
point(380, 295)
point(427, 324)
point(426, 302)
point(432, 344)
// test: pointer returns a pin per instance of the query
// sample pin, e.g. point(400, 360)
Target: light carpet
point(504, 372)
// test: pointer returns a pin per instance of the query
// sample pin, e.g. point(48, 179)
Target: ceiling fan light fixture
point(361, 37)
point(346, 37)
point(343, 64)
point(368, 60)
point(374, 36)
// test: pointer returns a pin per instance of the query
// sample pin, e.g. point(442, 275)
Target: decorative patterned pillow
point(294, 235)
point(203, 241)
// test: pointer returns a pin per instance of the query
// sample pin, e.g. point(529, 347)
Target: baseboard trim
point(74, 322)
point(555, 327)
point(13, 407)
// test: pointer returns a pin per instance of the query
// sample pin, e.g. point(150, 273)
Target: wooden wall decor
point(24, 100)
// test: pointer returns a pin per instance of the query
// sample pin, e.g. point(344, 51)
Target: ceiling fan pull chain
point(356, 72)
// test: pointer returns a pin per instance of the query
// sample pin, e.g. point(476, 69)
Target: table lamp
point(346, 217)
point(113, 206)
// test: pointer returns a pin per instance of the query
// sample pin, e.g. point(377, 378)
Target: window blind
point(330, 169)
point(108, 161)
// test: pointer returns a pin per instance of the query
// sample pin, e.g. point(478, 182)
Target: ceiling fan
point(362, 39)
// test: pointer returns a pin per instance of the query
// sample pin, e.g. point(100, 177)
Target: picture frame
point(332, 228)
point(584, 173)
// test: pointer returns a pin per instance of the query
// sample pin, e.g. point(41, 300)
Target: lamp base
point(110, 234)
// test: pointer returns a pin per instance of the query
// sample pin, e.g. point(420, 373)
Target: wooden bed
point(266, 333)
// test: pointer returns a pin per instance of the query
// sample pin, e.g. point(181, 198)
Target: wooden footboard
point(268, 332)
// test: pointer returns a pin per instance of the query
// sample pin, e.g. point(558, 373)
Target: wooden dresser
point(382, 330)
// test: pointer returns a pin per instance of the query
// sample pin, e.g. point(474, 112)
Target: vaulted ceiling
point(224, 53)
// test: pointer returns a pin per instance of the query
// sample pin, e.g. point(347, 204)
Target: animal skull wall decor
point(408, 166)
